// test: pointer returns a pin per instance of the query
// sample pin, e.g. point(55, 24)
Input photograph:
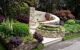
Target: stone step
point(49, 41)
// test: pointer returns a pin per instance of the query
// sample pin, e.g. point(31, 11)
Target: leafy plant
point(71, 26)
point(23, 18)
point(71, 21)
point(14, 42)
point(39, 47)
point(17, 8)
point(12, 8)
point(22, 12)
point(6, 29)
point(31, 2)
point(20, 29)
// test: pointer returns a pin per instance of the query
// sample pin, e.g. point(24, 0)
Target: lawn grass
point(71, 36)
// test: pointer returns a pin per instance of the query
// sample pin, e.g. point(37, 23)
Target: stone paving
point(73, 44)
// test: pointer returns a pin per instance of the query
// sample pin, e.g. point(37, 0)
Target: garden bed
point(29, 46)
point(72, 29)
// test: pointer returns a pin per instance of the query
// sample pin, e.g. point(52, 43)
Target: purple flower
point(23, 18)
point(16, 41)
point(38, 37)
point(1, 18)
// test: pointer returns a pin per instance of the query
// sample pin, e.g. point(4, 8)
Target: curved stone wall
point(36, 16)
point(55, 21)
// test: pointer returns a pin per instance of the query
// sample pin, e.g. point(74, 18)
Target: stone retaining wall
point(51, 34)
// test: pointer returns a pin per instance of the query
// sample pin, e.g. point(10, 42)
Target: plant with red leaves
point(23, 18)
point(38, 37)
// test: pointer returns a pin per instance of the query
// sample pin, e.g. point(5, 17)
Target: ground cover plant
point(72, 26)
point(72, 29)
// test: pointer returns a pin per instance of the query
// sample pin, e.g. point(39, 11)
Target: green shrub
point(6, 29)
point(20, 29)
point(30, 2)
point(9, 28)
point(71, 26)
point(71, 21)
point(17, 8)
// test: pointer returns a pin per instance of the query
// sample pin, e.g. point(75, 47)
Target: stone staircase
point(34, 24)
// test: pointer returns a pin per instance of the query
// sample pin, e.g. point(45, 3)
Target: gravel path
point(64, 44)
